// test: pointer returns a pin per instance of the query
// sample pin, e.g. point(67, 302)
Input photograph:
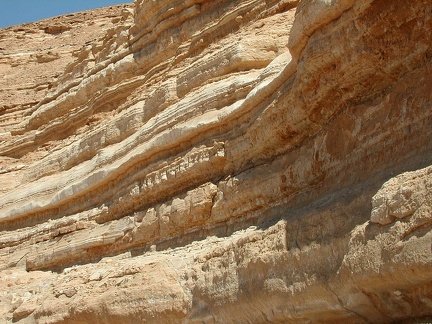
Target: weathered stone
point(218, 161)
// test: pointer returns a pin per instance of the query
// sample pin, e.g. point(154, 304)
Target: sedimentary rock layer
point(226, 161)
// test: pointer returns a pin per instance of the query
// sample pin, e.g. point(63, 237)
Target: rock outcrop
point(219, 162)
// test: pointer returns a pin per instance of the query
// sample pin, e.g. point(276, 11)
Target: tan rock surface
point(219, 162)
point(34, 55)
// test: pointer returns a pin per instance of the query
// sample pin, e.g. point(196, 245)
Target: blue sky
point(14, 12)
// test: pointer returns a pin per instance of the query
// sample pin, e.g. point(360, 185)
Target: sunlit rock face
point(218, 161)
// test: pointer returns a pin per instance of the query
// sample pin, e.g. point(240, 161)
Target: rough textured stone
point(218, 161)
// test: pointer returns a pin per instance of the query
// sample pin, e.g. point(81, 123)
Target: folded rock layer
point(220, 162)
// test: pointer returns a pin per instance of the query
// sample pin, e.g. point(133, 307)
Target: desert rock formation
point(204, 161)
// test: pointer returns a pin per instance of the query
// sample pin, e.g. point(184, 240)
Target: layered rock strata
point(226, 161)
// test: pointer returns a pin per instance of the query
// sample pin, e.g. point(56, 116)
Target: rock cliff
point(199, 161)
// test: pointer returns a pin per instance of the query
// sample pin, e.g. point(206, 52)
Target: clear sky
point(14, 12)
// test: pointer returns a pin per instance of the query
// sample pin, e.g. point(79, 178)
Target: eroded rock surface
point(220, 162)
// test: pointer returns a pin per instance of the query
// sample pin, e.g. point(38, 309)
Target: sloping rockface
point(219, 162)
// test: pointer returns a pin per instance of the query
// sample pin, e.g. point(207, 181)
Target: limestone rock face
point(219, 162)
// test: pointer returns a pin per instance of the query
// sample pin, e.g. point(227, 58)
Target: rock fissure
point(362, 317)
